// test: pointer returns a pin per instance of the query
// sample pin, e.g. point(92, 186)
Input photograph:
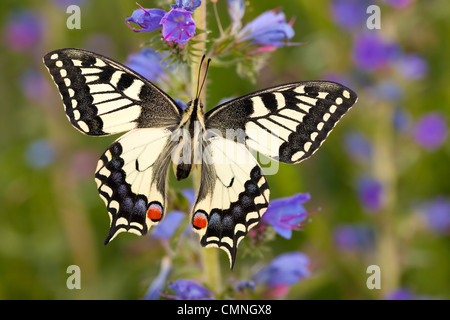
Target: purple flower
point(400, 294)
point(371, 52)
point(190, 290)
point(286, 214)
point(166, 228)
point(436, 214)
point(401, 119)
point(412, 66)
point(189, 5)
point(399, 4)
point(430, 131)
point(286, 269)
point(371, 194)
point(147, 63)
point(268, 29)
point(388, 90)
point(23, 30)
point(349, 237)
point(35, 86)
point(148, 19)
point(350, 14)
point(178, 26)
point(358, 147)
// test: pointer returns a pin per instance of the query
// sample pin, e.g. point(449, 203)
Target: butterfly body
point(287, 123)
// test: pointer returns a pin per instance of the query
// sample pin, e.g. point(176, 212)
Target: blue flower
point(358, 147)
point(400, 294)
point(147, 63)
point(286, 214)
point(286, 269)
point(399, 4)
point(178, 26)
point(268, 29)
point(166, 228)
point(436, 214)
point(430, 131)
point(371, 194)
point(40, 154)
point(190, 290)
point(189, 5)
point(148, 19)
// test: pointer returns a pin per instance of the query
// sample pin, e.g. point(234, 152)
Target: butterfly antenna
point(200, 87)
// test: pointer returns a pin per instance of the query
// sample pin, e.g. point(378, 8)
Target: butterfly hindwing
point(104, 97)
point(131, 178)
point(287, 123)
point(232, 197)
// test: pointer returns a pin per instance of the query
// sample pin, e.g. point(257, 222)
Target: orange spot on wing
point(154, 212)
point(200, 221)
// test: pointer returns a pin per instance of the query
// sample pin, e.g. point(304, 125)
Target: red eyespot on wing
point(199, 221)
point(154, 212)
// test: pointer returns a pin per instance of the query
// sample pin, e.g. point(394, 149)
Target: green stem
point(384, 170)
point(210, 257)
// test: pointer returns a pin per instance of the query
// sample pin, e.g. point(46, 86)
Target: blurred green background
point(51, 215)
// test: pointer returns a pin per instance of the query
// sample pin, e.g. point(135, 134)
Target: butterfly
point(286, 123)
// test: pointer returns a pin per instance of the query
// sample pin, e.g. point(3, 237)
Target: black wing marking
point(232, 198)
point(131, 178)
point(287, 123)
point(102, 96)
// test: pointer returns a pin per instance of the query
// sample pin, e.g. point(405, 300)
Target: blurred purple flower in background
point(286, 214)
point(399, 4)
point(23, 30)
point(167, 227)
point(35, 86)
point(358, 147)
point(350, 14)
point(412, 66)
point(269, 30)
point(40, 154)
point(400, 294)
point(387, 90)
point(371, 194)
point(353, 237)
point(148, 63)
point(189, 290)
point(401, 120)
point(436, 214)
point(430, 131)
point(372, 52)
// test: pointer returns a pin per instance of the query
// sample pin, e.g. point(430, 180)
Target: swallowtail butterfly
point(287, 123)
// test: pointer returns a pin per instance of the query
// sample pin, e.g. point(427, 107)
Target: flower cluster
point(177, 24)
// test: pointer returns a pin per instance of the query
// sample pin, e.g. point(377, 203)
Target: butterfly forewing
point(287, 123)
point(104, 97)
